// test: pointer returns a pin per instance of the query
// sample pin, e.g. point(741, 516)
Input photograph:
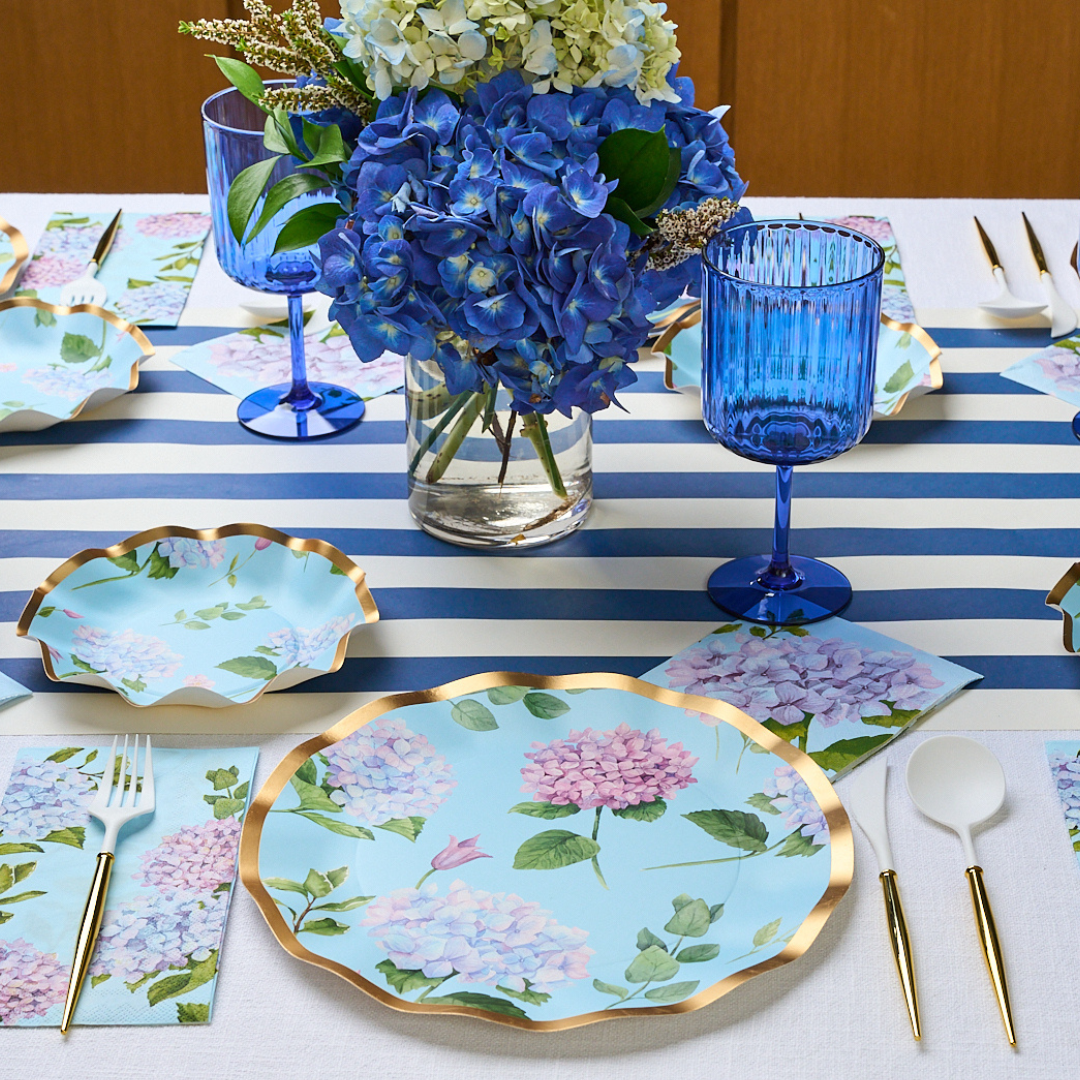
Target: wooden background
point(829, 97)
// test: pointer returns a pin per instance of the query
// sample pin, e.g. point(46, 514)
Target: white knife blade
point(866, 804)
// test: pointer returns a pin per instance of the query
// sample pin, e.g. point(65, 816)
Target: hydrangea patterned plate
point(546, 852)
point(215, 617)
point(56, 362)
point(14, 252)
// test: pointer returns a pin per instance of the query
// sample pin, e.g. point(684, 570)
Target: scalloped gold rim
point(1057, 594)
point(841, 847)
point(149, 536)
point(19, 248)
point(123, 326)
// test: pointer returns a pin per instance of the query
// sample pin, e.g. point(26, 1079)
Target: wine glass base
point(822, 591)
point(1076, 425)
point(264, 413)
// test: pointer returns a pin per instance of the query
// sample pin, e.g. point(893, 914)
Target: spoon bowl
point(1007, 306)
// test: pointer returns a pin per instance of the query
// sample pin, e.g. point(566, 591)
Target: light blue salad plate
point(215, 617)
point(57, 362)
point(547, 852)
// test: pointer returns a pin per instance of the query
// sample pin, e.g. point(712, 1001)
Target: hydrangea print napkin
point(160, 944)
point(1054, 370)
point(260, 356)
point(1064, 760)
point(148, 271)
point(834, 688)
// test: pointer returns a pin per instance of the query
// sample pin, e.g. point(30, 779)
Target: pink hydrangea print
point(42, 797)
point(478, 937)
point(384, 771)
point(47, 271)
point(197, 859)
point(31, 982)
point(179, 226)
point(878, 229)
point(1061, 366)
point(161, 302)
point(124, 654)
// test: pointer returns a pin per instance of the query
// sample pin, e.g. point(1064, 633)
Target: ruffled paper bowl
point(14, 251)
point(1065, 596)
point(57, 362)
point(211, 617)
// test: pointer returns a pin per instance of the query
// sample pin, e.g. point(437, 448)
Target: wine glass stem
point(780, 574)
point(300, 395)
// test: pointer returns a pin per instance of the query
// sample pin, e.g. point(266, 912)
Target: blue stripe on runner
point(186, 335)
point(982, 382)
point(954, 337)
point(174, 382)
point(623, 543)
point(629, 485)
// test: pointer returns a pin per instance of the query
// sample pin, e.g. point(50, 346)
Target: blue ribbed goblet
point(790, 328)
point(233, 130)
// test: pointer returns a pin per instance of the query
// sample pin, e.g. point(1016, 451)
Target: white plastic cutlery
point(1004, 305)
point(1062, 316)
point(866, 804)
point(86, 289)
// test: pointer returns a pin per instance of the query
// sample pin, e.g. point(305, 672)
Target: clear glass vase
point(482, 476)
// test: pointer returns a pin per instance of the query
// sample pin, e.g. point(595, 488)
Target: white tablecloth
point(836, 1013)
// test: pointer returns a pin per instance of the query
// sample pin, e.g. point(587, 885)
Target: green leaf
point(231, 579)
point(312, 797)
point(345, 905)
point(73, 836)
point(671, 992)
point(758, 631)
point(900, 378)
point(405, 981)
point(97, 980)
point(199, 972)
point(254, 604)
point(342, 828)
point(194, 624)
point(472, 715)
point(668, 186)
point(621, 212)
point(647, 939)
point(505, 695)
point(282, 193)
point(547, 810)
point(188, 1012)
point(224, 808)
point(45, 612)
point(278, 139)
point(652, 965)
point(133, 986)
point(690, 920)
point(135, 685)
point(244, 77)
point(789, 732)
point(331, 147)
point(409, 827)
point(896, 718)
point(304, 229)
point(160, 567)
point(66, 752)
point(326, 927)
point(797, 844)
point(24, 870)
point(244, 193)
point(128, 561)
point(250, 667)
point(737, 829)
point(18, 849)
point(528, 995)
point(266, 651)
point(478, 1001)
point(695, 954)
point(44, 318)
point(728, 628)
point(766, 933)
point(284, 884)
point(609, 988)
point(715, 912)
point(553, 849)
point(640, 160)
point(307, 772)
point(242, 791)
point(7, 877)
point(578, 690)
point(845, 751)
point(545, 706)
point(644, 811)
point(760, 801)
point(223, 778)
point(81, 664)
point(21, 896)
point(211, 612)
point(78, 348)
point(5, 915)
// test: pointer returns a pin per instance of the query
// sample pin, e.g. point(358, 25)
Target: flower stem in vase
point(469, 414)
point(429, 439)
point(535, 427)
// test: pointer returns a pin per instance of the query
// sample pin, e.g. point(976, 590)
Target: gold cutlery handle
point(988, 246)
point(88, 932)
point(106, 241)
point(988, 937)
point(901, 947)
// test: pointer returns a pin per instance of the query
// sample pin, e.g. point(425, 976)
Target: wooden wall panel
point(909, 97)
point(700, 25)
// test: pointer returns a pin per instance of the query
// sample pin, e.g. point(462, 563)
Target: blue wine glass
point(233, 131)
point(790, 329)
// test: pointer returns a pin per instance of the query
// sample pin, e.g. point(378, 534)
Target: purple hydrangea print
point(788, 792)
point(1061, 366)
point(47, 271)
point(1066, 772)
point(178, 226)
point(43, 796)
point(878, 229)
point(481, 937)
point(31, 982)
point(300, 647)
point(124, 654)
point(161, 302)
point(615, 769)
point(185, 553)
point(384, 771)
point(197, 859)
point(152, 932)
point(67, 383)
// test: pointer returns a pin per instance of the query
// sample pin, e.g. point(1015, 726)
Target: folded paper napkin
point(1054, 370)
point(907, 361)
point(148, 271)
point(157, 955)
point(10, 690)
point(260, 356)
point(1064, 757)
point(834, 688)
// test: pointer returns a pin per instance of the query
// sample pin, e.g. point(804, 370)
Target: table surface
point(952, 520)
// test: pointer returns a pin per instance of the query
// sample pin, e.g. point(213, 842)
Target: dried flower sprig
point(681, 234)
point(292, 42)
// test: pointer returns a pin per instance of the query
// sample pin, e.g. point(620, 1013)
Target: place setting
point(526, 382)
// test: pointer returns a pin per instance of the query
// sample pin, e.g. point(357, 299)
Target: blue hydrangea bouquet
point(516, 186)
